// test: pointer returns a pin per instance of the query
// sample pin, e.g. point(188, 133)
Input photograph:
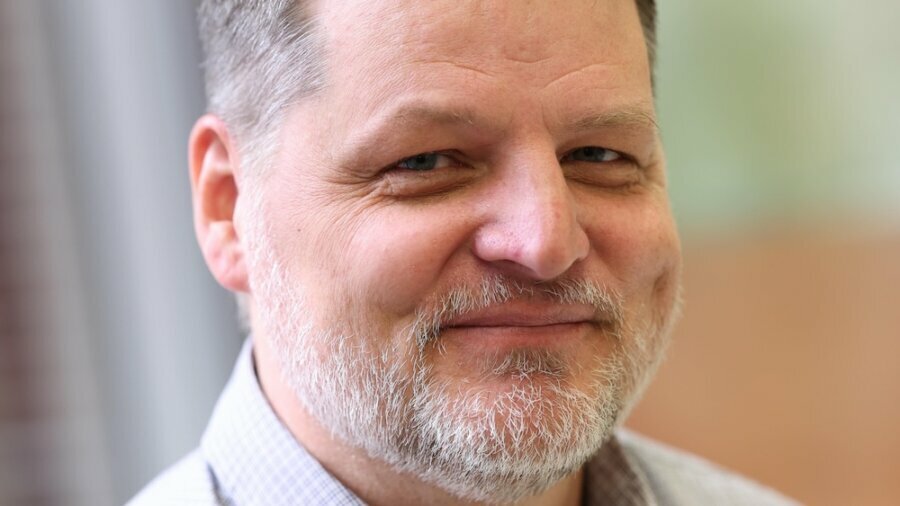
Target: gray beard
point(475, 443)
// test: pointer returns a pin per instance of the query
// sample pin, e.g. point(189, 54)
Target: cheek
point(397, 257)
point(637, 241)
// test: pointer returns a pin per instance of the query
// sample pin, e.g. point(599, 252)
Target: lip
point(525, 314)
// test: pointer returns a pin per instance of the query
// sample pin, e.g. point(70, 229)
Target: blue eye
point(594, 154)
point(421, 162)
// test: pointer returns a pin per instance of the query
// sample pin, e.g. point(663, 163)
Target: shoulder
point(188, 482)
point(680, 478)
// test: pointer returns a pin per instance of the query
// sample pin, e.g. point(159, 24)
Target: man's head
point(458, 242)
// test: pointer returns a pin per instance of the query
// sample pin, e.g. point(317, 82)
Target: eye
point(424, 162)
point(428, 174)
point(601, 167)
point(593, 154)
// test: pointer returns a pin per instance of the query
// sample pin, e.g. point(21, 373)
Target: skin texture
point(507, 93)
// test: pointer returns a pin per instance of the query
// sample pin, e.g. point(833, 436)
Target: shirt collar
point(254, 459)
point(613, 477)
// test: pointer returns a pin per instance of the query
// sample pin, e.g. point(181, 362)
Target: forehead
point(471, 50)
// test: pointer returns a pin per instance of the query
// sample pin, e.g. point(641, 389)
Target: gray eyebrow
point(423, 114)
point(630, 116)
point(626, 116)
point(418, 114)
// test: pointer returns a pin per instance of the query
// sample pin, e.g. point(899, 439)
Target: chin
point(512, 436)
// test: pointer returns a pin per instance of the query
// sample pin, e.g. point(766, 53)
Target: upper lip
point(525, 314)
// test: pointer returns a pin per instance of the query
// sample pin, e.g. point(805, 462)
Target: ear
point(213, 160)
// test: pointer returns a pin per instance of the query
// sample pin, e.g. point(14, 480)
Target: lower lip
point(498, 338)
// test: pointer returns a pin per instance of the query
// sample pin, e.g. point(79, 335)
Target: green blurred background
point(781, 112)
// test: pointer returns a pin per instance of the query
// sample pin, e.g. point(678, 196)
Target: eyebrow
point(636, 115)
point(631, 116)
point(421, 114)
point(380, 129)
point(416, 114)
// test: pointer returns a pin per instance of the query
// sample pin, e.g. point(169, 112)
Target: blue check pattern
point(255, 459)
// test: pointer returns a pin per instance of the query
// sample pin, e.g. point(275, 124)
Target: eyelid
point(620, 156)
point(454, 173)
point(452, 160)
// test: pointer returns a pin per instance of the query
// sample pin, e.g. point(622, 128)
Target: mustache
point(496, 290)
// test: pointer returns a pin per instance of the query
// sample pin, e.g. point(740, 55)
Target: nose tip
point(556, 245)
point(553, 247)
point(535, 232)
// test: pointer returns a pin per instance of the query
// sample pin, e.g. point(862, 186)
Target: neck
point(370, 479)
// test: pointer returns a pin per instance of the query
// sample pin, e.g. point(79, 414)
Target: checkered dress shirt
point(248, 458)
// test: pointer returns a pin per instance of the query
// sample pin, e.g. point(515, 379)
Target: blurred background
point(782, 125)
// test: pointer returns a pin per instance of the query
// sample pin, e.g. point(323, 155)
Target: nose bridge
point(535, 226)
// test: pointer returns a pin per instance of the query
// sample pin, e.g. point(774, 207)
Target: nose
point(532, 227)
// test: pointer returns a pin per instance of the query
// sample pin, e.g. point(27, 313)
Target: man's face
point(463, 252)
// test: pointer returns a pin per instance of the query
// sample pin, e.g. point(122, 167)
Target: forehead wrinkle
point(603, 69)
point(459, 64)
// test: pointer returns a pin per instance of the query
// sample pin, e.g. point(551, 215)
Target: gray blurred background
point(782, 125)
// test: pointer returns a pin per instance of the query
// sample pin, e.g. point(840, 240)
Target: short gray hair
point(263, 55)
point(260, 56)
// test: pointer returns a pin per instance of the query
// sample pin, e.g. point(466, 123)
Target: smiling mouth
point(525, 314)
point(522, 325)
point(533, 325)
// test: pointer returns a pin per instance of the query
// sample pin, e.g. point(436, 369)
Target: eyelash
point(418, 158)
point(591, 149)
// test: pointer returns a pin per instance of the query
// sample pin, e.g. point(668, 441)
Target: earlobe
point(224, 255)
point(213, 161)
